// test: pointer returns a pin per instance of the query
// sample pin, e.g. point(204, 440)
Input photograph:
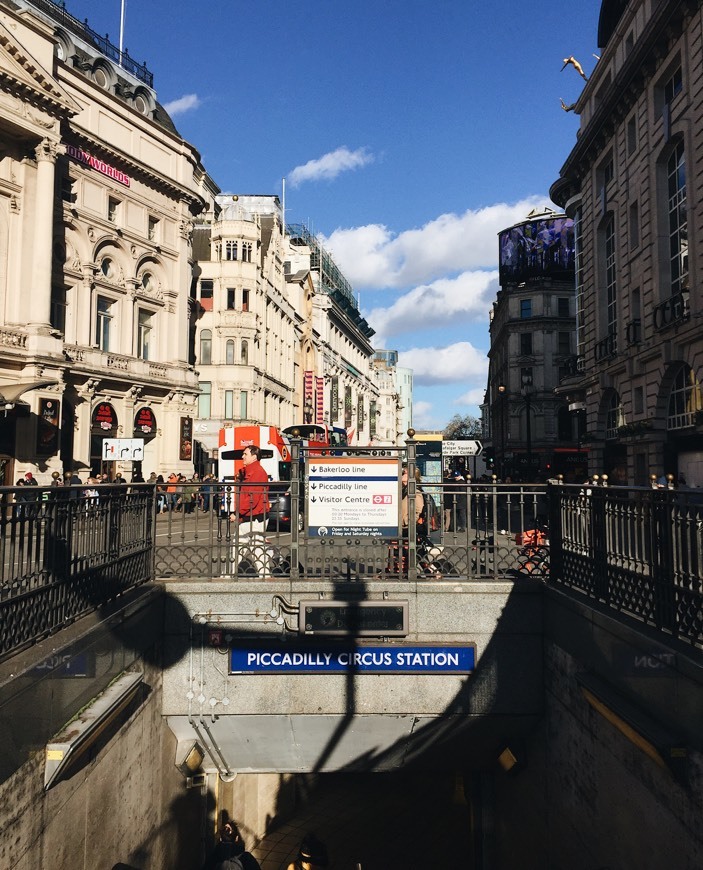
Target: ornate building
point(533, 432)
point(97, 197)
point(631, 184)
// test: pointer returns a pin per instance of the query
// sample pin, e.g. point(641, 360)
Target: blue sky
point(409, 134)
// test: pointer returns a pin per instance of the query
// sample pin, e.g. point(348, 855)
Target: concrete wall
point(587, 797)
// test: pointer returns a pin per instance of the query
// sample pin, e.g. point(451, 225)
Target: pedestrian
point(461, 496)
point(448, 501)
point(230, 853)
point(251, 502)
point(171, 494)
point(311, 855)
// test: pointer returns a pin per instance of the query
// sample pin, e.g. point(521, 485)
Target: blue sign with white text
point(382, 659)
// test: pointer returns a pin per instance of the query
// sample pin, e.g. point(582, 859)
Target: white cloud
point(473, 397)
point(372, 256)
point(330, 165)
point(462, 299)
point(183, 104)
point(444, 365)
point(422, 415)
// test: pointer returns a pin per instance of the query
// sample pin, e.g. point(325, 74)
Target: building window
point(245, 300)
point(206, 289)
point(525, 308)
point(144, 328)
point(205, 400)
point(631, 136)
point(246, 252)
point(103, 321)
point(638, 400)
point(564, 346)
point(58, 308)
point(244, 354)
point(613, 416)
point(231, 297)
point(611, 298)
point(678, 221)
point(113, 209)
point(673, 87)
point(684, 400)
point(205, 347)
point(229, 404)
point(229, 352)
point(634, 225)
point(152, 230)
point(230, 250)
point(243, 401)
point(525, 344)
point(107, 267)
point(563, 309)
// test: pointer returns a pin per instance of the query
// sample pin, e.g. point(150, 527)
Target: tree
point(461, 428)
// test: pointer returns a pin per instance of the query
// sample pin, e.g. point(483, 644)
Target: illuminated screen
point(537, 249)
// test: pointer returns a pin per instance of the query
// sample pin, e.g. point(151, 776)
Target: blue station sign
point(382, 659)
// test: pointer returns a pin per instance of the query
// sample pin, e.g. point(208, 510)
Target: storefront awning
point(10, 393)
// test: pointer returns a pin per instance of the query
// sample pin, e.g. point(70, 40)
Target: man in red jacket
point(251, 508)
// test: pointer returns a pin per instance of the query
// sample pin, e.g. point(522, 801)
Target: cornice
point(624, 90)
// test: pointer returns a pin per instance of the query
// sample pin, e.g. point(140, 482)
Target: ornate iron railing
point(639, 551)
point(64, 554)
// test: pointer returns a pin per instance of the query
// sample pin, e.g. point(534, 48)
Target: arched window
point(244, 356)
point(205, 347)
point(230, 250)
point(684, 399)
point(229, 353)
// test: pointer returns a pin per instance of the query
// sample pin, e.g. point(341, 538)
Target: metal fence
point(637, 550)
point(64, 553)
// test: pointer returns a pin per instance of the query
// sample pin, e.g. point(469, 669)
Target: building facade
point(533, 431)
point(632, 185)
point(97, 197)
point(395, 400)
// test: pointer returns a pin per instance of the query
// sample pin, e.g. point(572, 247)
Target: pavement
point(378, 822)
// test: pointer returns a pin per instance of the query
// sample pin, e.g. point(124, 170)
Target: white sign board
point(461, 448)
point(123, 449)
point(352, 496)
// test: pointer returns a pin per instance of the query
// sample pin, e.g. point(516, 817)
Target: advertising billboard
point(538, 249)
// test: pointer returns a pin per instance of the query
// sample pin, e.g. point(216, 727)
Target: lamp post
point(527, 395)
point(307, 411)
point(502, 389)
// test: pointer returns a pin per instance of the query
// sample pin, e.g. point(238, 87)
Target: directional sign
point(462, 448)
point(348, 497)
point(125, 449)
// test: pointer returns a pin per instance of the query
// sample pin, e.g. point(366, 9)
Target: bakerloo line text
point(397, 658)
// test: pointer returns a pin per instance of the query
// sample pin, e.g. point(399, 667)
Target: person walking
point(229, 853)
point(251, 507)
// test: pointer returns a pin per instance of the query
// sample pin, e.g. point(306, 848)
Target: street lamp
point(307, 411)
point(502, 390)
point(526, 391)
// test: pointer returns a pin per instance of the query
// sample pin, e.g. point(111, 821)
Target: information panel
point(359, 618)
point(381, 659)
point(352, 496)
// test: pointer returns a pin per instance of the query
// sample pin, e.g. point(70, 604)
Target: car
point(280, 509)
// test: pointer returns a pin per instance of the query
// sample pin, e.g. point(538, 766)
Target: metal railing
point(64, 554)
point(639, 551)
point(65, 551)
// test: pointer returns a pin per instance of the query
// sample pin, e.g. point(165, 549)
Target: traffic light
point(490, 459)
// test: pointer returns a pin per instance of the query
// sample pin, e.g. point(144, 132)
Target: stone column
point(46, 153)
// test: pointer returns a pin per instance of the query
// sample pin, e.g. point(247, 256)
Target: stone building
point(394, 408)
point(533, 432)
point(97, 197)
point(632, 184)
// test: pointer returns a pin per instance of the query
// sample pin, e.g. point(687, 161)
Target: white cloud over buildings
point(329, 166)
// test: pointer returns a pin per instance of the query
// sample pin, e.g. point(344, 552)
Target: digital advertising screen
point(538, 249)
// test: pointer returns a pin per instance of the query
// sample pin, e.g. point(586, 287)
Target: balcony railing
point(607, 347)
point(633, 332)
point(673, 310)
point(102, 43)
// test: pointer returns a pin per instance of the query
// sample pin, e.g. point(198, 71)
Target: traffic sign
point(125, 449)
point(462, 448)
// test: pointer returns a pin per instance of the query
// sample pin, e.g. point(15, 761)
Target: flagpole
point(121, 31)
